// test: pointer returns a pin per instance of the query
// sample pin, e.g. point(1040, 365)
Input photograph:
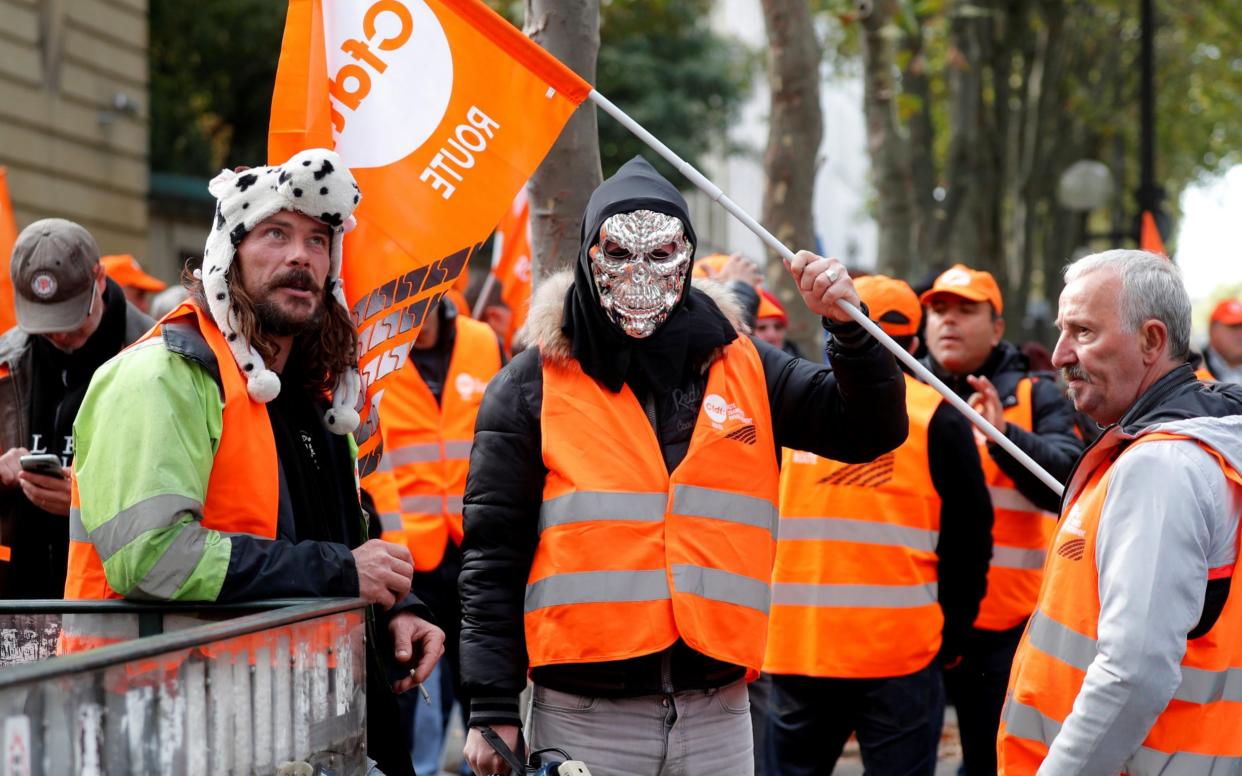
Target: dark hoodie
point(854, 415)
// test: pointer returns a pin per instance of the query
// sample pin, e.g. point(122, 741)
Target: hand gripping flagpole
point(714, 192)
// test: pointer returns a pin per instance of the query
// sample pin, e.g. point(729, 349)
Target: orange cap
point(710, 266)
point(770, 307)
point(1228, 312)
point(973, 284)
point(126, 271)
point(892, 304)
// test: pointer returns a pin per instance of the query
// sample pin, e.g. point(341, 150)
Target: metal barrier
point(117, 687)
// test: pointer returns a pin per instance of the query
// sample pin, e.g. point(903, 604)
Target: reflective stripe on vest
point(1197, 733)
point(1020, 533)
point(857, 555)
point(428, 443)
point(242, 493)
point(630, 557)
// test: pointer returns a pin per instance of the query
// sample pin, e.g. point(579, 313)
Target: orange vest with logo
point(243, 491)
point(854, 589)
point(428, 444)
point(1199, 732)
point(630, 557)
point(1021, 532)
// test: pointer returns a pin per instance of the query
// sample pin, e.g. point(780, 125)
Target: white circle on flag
point(391, 99)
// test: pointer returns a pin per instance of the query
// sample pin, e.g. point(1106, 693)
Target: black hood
point(636, 186)
point(693, 329)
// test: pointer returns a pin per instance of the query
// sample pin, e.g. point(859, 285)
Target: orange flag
point(1149, 235)
point(511, 262)
point(442, 110)
point(8, 236)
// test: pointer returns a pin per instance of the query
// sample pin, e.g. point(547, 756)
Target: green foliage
point(660, 62)
point(213, 65)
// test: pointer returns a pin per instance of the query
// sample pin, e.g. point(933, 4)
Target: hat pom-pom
point(342, 420)
point(264, 386)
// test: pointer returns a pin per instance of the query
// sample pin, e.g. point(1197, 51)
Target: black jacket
point(1052, 443)
point(965, 545)
point(853, 415)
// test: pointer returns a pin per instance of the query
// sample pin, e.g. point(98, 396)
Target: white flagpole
point(713, 191)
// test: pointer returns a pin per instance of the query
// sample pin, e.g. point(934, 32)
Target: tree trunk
point(888, 147)
point(794, 132)
point(563, 183)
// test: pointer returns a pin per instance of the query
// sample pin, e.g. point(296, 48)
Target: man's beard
point(273, 319)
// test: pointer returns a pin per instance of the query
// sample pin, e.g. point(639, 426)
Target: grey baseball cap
point(53, 271)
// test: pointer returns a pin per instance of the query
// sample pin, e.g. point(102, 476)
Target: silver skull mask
point(639, 267)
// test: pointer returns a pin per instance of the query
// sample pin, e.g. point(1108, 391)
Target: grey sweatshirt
point(1169, 516)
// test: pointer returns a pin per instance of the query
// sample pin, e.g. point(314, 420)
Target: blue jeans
point(897, 721)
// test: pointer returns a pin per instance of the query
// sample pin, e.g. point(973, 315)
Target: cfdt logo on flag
point(383, 57)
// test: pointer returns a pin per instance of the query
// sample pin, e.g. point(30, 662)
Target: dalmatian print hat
point(316, 183)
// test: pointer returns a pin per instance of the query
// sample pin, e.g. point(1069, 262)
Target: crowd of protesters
point(692, 549)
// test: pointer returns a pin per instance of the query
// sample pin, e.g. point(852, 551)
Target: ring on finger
point(832, 274)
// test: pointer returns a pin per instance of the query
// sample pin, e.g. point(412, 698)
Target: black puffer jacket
point(853, 414)
point(1052, 443)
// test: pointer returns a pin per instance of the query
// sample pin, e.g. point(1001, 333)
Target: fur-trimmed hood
point(547, 314)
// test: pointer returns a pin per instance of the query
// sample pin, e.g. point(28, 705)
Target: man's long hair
point(319, 354)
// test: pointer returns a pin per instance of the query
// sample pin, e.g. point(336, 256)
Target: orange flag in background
point(8, 236)
point(1149, 235)
point(442, 110)
point(511, 262)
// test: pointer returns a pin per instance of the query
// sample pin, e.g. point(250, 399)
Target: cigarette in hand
point(423, 690)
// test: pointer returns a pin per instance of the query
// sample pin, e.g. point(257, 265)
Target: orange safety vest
point(1021, 532)
point(1204, 374)
point(382, 485)
point(630, 557)
point(428, 444)
point(857, 556)
point(243, 491)
point(1199, 732)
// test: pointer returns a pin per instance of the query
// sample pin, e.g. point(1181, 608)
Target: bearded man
point(620, 511)
point(210, 465)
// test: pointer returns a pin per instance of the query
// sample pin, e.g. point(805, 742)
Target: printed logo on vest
point(745, 434)
point(1074, 549)
point(469, 386)
point(718, 411)
point(863, 475)
point(1073, 522)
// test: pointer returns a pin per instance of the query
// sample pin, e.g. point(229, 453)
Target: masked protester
point(620, 512)
point(213, 456)
point(1132, 658)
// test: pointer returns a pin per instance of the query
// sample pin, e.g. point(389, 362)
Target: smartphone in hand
point(46, 464)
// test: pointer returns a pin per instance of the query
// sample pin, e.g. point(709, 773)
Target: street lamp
point(1085, 185)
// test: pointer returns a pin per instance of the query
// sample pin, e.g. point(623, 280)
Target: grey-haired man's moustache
point(1074, 373)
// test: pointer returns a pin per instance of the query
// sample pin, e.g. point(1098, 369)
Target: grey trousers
point(695, 733)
